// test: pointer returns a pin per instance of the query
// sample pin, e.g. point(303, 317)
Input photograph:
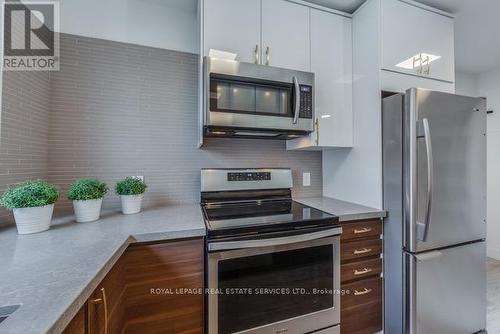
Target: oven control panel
point(249, 176)
point(306, 101)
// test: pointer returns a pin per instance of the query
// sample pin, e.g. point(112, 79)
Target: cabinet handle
point(362, 251)
point(422, 64)
point(256, 53)
point(103, 301)
point(425, 67)
point(316, 125)
point(268, 57)
point(364, 292)
point(363, 230)
point(362, 271)
point(427, 70)
point(419, 66)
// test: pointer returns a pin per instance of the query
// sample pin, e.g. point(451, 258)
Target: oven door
point(249, 96)
point(281, 285)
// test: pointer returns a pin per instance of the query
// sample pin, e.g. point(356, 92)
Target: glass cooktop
point(255, 216)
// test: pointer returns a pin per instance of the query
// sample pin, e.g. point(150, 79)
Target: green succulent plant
point(29, 194)
point(87, 189)
point(130, 186)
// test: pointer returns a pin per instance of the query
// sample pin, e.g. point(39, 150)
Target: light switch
point(306, 179)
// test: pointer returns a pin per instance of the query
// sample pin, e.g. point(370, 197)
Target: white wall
point(169, 24)
point(488, 85)
point(466, 84)
point(355, 174)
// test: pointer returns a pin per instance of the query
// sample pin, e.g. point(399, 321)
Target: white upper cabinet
point(417, 41)
point(292, 35)
point(233, 26)
point(285, 35)
point(331, 62)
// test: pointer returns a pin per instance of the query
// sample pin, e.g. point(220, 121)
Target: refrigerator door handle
point(430, 179)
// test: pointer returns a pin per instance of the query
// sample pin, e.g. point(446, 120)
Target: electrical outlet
point(306, 179)
point(140, 177)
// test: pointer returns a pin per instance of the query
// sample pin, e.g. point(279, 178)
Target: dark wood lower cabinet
point(105, 306)
point(78, 324)
point(158, 288)
point(362, 319)
point(164, 288)
point(152, 288)
point(362, 292)
point(361, 266)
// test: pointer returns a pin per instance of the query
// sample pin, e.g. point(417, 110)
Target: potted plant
point(87, 195)
point(131, 190)
point(32, 203)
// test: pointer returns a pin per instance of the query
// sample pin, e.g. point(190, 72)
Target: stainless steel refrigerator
point(434, 189)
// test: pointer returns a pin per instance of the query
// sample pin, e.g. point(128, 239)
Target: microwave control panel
point(306, 101)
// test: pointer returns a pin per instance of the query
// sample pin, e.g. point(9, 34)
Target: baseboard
point(493, 252)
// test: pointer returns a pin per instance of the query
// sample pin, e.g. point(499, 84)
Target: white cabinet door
point(285, 35)
point(419, 32)
point(331, 62)
point(234, 26)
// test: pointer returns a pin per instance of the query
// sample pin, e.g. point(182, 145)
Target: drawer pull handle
point(364, 292)
point(362, 271)
point(362, 251)
point(363, 230)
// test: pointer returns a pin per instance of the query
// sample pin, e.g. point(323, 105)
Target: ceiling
point(477, 45)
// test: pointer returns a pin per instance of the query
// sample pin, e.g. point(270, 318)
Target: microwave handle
point(225, 245)
point(297, 100)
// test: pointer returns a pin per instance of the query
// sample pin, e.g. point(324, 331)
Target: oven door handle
point(226, 245)
point(297, 100)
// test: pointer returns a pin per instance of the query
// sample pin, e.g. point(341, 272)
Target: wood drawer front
point(360, 269)
point(360, 249)
point(361, 292)
point(363, 319)
point(361, 229)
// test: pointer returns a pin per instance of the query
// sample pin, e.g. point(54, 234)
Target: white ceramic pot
point(131, 204)
point(88, 210)
point(33, 220)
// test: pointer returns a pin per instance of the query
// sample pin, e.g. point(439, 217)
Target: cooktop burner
point(253, 202)
point(261, 213)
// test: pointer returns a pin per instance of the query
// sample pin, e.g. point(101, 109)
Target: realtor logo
point(31, 36)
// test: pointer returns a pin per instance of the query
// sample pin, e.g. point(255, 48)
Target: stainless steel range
point(273, 264)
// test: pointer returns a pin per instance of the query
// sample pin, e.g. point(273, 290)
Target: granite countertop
point(344, 210)
point(51, 274)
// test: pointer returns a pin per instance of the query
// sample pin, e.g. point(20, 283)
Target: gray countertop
point(344, 210)
point(51, 274)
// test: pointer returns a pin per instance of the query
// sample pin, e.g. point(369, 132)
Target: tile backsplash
point(24, 121)
point(117, 109)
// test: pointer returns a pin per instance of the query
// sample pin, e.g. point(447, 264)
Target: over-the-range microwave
point(256, 101)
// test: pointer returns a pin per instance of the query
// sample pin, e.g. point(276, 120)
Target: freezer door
point(444, 169)
point(446, 290)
